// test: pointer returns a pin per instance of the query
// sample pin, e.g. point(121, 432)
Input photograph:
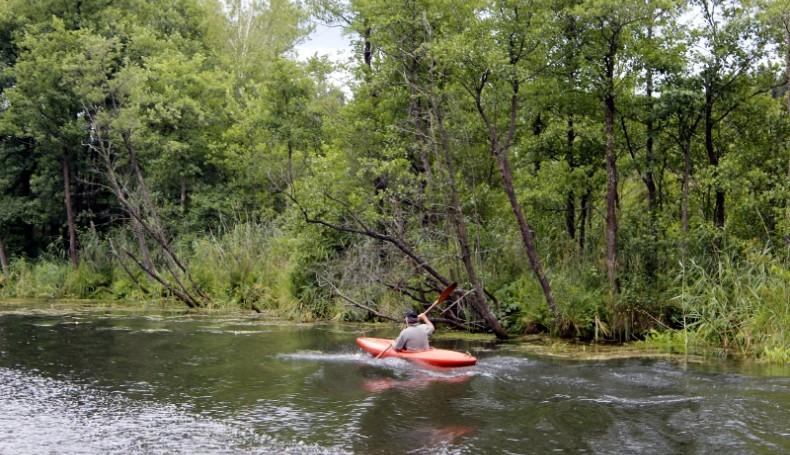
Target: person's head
point(411, 317)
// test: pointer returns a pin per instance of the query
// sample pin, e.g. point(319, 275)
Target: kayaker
point(415, 336)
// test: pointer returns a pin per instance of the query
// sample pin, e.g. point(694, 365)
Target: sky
point(327, 41)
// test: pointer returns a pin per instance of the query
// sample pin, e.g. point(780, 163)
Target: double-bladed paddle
point(442, 297)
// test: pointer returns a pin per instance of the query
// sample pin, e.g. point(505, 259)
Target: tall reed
point(738, 304)
point(245, 264)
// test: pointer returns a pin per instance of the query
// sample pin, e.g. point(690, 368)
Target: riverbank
point(735, 302)
point(667, 345)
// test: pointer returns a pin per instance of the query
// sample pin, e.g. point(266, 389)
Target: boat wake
point(317, 356)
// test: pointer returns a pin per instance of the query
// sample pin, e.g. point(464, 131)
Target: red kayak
point(431, 356)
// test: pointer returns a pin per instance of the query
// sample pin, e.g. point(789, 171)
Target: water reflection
point(381, 385)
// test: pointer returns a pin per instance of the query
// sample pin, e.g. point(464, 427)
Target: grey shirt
point(413, 338)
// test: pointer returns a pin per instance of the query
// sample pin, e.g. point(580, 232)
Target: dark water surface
point(90, 382)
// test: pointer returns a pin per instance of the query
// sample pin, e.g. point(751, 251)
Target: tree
point(504, 61)
point(257, 33)
point(42, 107)
point(729, 48)
point(609, 48)
point(395, 194)
point(682, 105)
point(657, 42)
point(115, 102)
point(776, 18)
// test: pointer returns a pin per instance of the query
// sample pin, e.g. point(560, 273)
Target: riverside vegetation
point(591, 169)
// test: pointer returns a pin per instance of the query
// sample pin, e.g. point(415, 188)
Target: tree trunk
point(713, 159)
point(367, 57)
point(138, 204)
point(153, 225)
point(611, 181)
point(480, 301)
point(500, 152)
point(570, 202)
point(69, 210)
point(584, 219)
point(684, 210)
point(652, 204)
point(367, 53)
point(4, 261)
point(137, 228)
point(786, 21)
point(526, 233)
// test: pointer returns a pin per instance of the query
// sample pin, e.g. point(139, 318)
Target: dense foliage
point(596, 169)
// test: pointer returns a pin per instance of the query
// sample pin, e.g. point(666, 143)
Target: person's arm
point(399, 342)
point(422, 317)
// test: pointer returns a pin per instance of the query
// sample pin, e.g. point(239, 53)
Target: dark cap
point(411, 316)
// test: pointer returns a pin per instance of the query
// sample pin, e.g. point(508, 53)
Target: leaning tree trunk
point(480, 301)
point(153, 225)
point(526, 233)
point(137, 203)
point(500, 152)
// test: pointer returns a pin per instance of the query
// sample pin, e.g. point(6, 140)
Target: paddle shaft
point(382, 352)
point(442, 297)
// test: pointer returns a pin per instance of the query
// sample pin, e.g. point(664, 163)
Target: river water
point(96, 382)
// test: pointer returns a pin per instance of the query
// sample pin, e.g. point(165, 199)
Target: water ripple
point(44, 415)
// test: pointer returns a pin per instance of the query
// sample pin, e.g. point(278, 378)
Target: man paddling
point(415, 336)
